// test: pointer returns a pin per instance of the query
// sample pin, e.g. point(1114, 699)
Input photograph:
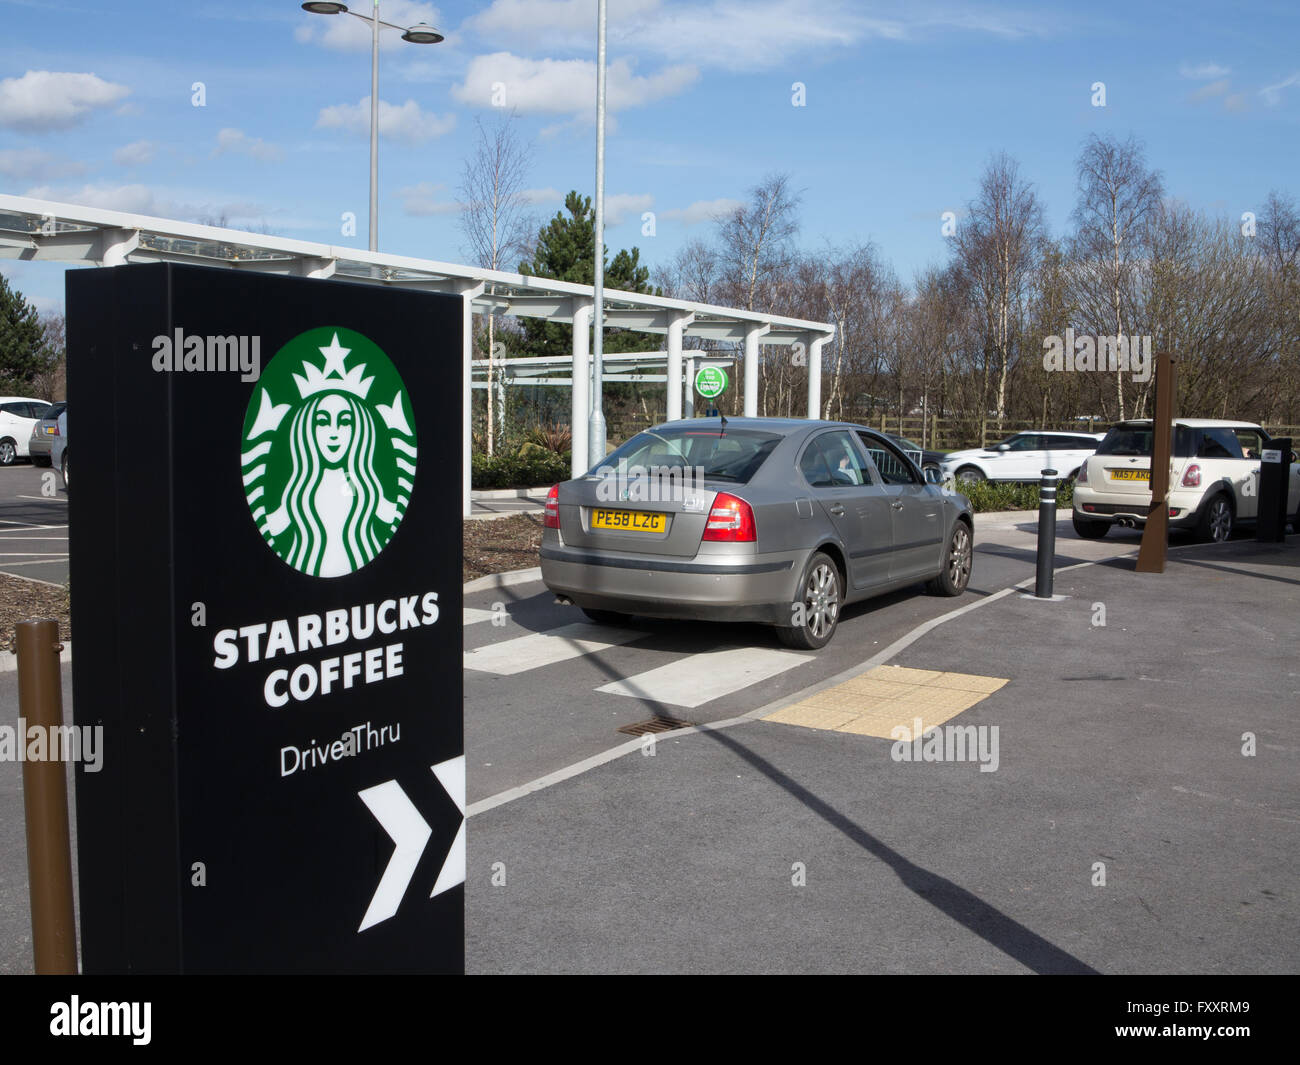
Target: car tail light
point(731, 520)
point(551, 518)
point(1082, 476)
point(1192, 476)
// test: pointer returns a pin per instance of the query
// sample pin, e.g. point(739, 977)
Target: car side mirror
point(1003, 447)
point(933, 476)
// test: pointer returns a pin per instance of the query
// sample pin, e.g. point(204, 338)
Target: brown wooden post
point(45, 796)
point(1155, 534)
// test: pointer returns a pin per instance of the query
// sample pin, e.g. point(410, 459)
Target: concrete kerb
point(9, 660)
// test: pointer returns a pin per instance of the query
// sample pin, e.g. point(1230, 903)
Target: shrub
point(554, 438)
point(988, 496)
point(536, 469)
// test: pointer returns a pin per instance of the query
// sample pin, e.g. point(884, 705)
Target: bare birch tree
point(495, 220)
point(1118, 195)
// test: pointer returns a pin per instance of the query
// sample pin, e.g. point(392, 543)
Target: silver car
point(752, 519)
point(44, 433)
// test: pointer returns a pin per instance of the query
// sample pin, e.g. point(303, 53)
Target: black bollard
point(1046, 534)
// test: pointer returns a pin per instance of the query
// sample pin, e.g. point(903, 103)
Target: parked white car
point(1213, 478)
point(1022, 457)
point(18, 416)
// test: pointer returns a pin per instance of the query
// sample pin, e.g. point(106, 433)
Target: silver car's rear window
point(733, 455)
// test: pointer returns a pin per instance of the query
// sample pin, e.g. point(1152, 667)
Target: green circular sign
point(711, 381)
point(328, 452)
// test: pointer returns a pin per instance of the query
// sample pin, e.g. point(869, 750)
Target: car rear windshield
point(1136, 440)
point(724, 454)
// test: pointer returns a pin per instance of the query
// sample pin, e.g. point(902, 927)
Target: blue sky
point(905, 102)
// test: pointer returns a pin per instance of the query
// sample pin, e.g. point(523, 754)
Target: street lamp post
point(596, 424)
point(417, 34)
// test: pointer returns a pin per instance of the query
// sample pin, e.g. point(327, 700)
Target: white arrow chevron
point(451, 775)
point(410, 832)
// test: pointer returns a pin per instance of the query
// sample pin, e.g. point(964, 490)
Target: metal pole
point(374, 129)
point(45, 791)
point(1046, 534)
point(596, 425)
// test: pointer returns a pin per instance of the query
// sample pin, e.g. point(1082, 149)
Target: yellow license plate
point(1129, 475)
point(629, 521)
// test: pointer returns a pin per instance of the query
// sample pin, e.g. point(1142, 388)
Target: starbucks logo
point(328, 452)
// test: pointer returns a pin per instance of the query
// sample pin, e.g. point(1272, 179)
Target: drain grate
point(655, 724)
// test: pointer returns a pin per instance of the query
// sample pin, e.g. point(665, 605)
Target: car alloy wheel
point(969, 475)
point(822, 600)
point(959, 557)
point(818, 609)
point(8, 453)
point(1220, 520)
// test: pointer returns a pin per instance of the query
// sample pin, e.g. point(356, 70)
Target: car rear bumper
point(1114, 508)
point(40, 445)
point(716, 587)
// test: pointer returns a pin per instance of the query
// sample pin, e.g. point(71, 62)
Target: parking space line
point(546, 648)
point(708, 675)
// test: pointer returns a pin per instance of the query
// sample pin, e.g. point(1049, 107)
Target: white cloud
point(622, 204)
point(1214, 88)
point(344, 33)
point(1273, 93)
point(536, 196)
point(236, 140)
point(144, 200)
point(43, 99)
point(34, 164)
point(134, 199)
point(566, 86)
point(137, 153)
point(702, 210)
point(424, 199)
point(407, 123)
point(739, 34)
point(1203, 71)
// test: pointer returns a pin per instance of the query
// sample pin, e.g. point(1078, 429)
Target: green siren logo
point(328, 452)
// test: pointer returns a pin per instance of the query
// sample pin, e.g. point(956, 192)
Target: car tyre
point(41, 460)
point(1217, 520)
point(64, 470)
point(958, 557)
point(970, 475)
point(8, 452)
point(606, 617)
point(1090, 530)
point(819, 605)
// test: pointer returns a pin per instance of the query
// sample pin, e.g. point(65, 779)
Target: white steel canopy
point(44, 230)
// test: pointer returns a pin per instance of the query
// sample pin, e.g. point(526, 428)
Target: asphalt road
point(1120, 745)
point(33, 523)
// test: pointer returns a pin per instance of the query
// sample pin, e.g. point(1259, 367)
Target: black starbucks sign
point(267, 617)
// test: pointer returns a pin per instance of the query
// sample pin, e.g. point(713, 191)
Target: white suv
point(1022, 457)
point(1213, 478)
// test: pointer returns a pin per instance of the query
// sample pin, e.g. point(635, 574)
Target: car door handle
point(836, 508)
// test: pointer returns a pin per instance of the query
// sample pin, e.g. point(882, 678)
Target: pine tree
point(22, 345)
point(565, 252)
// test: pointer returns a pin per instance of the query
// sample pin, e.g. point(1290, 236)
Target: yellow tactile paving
point(881, 700)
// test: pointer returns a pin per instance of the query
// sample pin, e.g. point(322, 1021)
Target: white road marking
point(23, 526)
point(635, 744)
point(709, 675)
point(546, 648)
point(472, 615)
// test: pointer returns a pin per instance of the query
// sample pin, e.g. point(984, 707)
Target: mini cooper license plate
point(1129, 475)
point(629, 521)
